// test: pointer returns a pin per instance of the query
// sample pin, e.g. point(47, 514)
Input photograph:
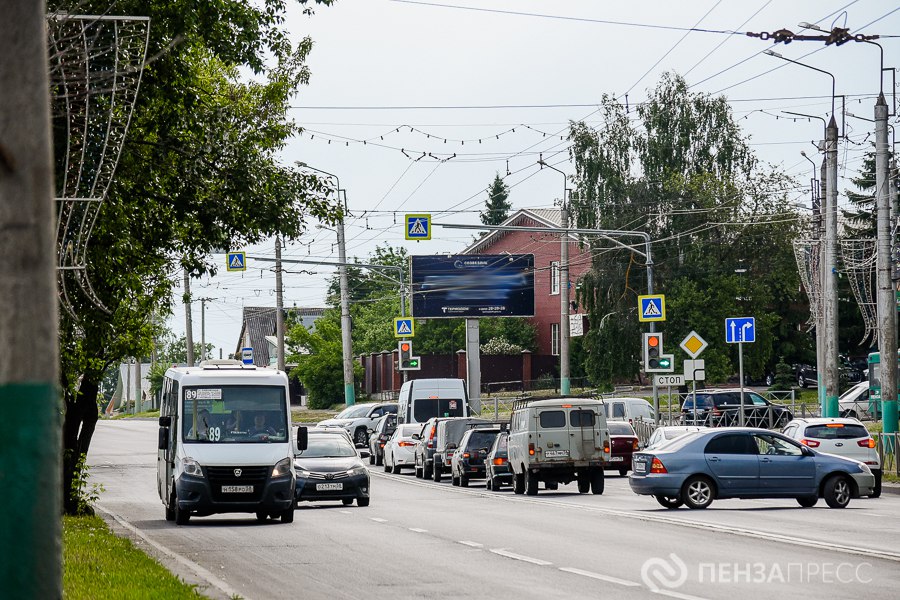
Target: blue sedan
point(702, 466)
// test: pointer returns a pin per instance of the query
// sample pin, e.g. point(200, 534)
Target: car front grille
point(255, 476)
point(334, 475)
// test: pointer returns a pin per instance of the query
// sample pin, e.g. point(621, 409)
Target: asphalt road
point(419, 539)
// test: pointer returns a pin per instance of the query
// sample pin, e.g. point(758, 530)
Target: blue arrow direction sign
point(418, 227)
point(237, 261)
point(740, 330)
point(404, 327)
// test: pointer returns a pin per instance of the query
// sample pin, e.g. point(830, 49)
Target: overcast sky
point(464, 71)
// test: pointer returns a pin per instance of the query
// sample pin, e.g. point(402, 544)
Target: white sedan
point(841, 436)
point(400, 450)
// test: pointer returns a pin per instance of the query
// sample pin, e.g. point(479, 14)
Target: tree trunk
point(78, 429)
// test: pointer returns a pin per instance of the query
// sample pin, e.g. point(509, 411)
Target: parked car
point(399, 451)
point(331, 469)
point(700, 467)
point(559, 441)
point(661, 435)
point(379, 436)
point(843, 437)
point(849, 373)
point(358, 419)
point(496, 465)
point(623, 443)
point(468, 460)
point(855, 403)
point(628, 409)
point(425, 448)
point(719, 408)
point(446, 439)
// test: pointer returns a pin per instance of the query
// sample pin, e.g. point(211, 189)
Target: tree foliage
point(684, 174)
point(198, 171)
point(497, 205)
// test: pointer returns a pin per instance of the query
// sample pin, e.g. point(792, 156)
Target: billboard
point(473, 285)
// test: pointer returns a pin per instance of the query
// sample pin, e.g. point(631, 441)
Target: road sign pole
point(670, 404)
point(741, 375)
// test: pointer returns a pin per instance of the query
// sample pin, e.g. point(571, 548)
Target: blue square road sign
point(740, 330)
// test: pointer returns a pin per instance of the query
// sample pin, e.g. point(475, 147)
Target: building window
point(554, 277)
point(554, 339)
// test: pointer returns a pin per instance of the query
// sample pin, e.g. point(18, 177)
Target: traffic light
point(408, 362)
point(654, 360)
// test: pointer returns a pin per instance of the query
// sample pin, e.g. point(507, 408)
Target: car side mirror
point(416, 436)
point(806, 451)
point(165, 421)
point(302, 438)
point(452, 446)
point(163, 437)
point(364, 454)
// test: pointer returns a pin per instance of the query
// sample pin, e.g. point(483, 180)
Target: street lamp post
point(346, 339)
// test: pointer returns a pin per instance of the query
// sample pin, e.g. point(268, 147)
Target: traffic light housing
point(654, 359)
point(407, 361)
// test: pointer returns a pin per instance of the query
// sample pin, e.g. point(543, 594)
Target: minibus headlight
point(191, 467)
point(282, 468)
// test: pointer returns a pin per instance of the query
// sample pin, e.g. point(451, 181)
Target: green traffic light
point(413, 363)
point(664, 363)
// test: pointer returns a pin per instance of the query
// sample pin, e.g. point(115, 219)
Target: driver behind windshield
point(260, 427)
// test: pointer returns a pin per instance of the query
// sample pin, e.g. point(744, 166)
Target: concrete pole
point(564, 381)
point(473, 364)
point(279, 306)
point(832, 382)
point(346, 333)
point(203, 329)
point(820, 283)
point(887, 306)
point(138, 396)
point(188, 321)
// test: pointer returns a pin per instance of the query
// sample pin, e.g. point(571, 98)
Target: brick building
point(546, 250)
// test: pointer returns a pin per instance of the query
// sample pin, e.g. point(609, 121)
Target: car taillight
point(531, 449)
point(657, 467)
point(869, 443)
point(431, 433)
point(500, 461)
point(606, 446)
point(430, 444)
point(466, 455)
point(716, 411)
point(381, 444)
point(635, 445)
point(402, 443)
point(810, 443)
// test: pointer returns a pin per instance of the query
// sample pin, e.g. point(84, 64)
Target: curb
point(890, 488)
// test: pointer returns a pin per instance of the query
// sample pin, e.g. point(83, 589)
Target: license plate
point(556, 453)
point(322, 487)
point(616, 459)
point(237, 489)
point(640, 467)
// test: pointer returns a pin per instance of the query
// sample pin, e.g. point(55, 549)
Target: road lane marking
point(514, 556)
point(679, 595)
point(345, 512)
point(197, 569)
point(471, 544)
point(378, 520)
point(654, 518)
point(606, 578)
point(417, 530)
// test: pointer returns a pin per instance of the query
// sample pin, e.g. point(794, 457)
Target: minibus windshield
point(234, 414)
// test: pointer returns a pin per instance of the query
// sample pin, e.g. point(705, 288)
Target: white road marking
point(345, 512)
point(417, 530)
point(471, 544)
point(514, 556)
point(678, 595)
point(606, 578)
point(378, 520)
point(200, 571)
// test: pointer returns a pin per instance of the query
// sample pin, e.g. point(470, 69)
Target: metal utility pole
point(189, 323)
point(138, 391)
point(31, 448)
point(820, 316)
point(473, 363)
point(832, 381)
point(346, 333)
point(279, 305)
point(564, 381)
point(887, 304)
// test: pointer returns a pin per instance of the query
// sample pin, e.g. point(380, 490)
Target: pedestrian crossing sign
point(404, 327)
point(237, 261)
point(652, 308)
point(418, 227)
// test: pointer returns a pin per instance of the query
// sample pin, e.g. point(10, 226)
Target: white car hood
point(247, 454)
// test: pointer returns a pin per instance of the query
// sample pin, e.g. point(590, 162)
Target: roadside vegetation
point(98, 564)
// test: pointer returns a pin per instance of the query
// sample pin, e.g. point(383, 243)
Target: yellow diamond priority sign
point(693, 344)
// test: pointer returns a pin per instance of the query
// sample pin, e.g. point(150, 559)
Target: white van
point(225, 442)
point(422, 399)
point(628, 409)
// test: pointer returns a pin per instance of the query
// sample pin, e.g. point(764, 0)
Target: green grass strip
point(98, 564)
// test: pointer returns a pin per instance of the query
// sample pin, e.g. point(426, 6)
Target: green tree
point(198, 171)
point(319, 368)
point(497, 205)
point(686, 176)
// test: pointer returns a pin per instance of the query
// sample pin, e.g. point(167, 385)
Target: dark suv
point(721, 408)
point(849, 373)
point(468, 460)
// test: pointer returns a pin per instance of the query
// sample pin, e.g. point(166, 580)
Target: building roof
point(259, 322)
point(530, 217)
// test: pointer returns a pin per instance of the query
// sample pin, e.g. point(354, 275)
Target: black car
point(721, 408)
point(849, 373)
point(496, 464)
point(331, 469)
point(468, 459)
point(379, 436)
